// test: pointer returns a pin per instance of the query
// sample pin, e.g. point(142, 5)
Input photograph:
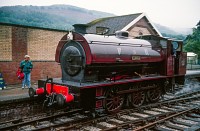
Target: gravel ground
point(190, 86)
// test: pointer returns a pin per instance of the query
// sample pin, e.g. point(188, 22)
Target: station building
point(192, 58)
point(40, 43)
point(136, 24)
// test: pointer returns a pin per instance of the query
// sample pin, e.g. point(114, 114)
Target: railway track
point(31, 107)
point(29, 114)
point(184, 120)
point(42, 121)
point(20, 109)
point(151, 114)
point(180, 91)
point(180, 114)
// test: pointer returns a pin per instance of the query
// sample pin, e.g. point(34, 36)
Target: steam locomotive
point(102, 73)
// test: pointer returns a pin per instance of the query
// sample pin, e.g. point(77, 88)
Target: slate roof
point(113, 23)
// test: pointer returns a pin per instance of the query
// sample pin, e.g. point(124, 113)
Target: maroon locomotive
point(101, 73)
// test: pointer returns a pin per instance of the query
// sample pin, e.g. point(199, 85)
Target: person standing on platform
point(26, 66)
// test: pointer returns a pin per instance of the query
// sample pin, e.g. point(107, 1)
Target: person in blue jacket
point(26, 66)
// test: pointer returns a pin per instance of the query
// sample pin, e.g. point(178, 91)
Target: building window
point(102, 30)
point(140, 32)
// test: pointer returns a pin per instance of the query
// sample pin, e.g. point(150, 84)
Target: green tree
point(193, 41)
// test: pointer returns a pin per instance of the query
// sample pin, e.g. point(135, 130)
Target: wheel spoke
point(109, 103)
point(110, 107)
point(109, 99)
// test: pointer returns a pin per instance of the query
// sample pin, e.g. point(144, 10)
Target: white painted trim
point(133, 22)
point(136, 20)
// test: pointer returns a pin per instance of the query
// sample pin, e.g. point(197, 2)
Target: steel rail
point(141, 120)
point(40, 119)
point(164, 119)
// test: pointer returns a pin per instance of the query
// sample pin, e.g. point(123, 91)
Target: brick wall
point(17, 41)
point(44, 69)
point(42, 47)
point(40, 70)
point(5, 43)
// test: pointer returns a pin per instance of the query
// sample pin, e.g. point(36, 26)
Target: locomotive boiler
point(96, 57)
point(102, 73)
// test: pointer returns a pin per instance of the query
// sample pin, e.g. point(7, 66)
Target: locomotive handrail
point(121, 44)
point(68, 40)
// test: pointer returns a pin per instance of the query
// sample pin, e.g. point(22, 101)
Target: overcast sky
point(171, 13)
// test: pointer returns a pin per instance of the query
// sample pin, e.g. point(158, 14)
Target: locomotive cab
point(175, 59)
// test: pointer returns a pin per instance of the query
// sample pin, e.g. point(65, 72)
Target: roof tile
point(113, 23)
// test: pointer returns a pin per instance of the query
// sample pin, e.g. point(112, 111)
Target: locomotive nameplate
point(136, 58)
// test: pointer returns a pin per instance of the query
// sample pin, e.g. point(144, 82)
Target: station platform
point(192, 73)
point(14, 93)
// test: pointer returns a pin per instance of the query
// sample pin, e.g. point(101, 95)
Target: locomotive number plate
point(136, 58)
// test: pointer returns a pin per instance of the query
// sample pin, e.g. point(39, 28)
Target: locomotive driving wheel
point(136, 99)
point(154, 94)
point(113, 101)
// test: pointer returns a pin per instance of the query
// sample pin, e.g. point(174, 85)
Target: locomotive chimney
point(80, 28)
